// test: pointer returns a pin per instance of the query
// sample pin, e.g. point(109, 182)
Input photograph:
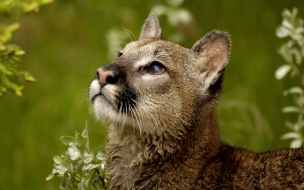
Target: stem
point(300, 76)
point(91, 179)
point(101, 178)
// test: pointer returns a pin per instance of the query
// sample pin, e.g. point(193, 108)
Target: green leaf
point(289, 109)
point(12, 27)
point(295, 90)
point(46, 1)
point(297, 143)
point(282, 71)
point(88, 157)
point(90, 166)
point(66, 140)
point(287, 24)
point(64, 183)
point(73, 152)
point(57, 159)
point(102, 165)
point(60, 169)
point(290, 135)
point(7, 33)
point(285, 52)
point(4, 70)
point(81, 139)
point(160, 9)
point(29, 77)
point(297, 55)
point(100, 155)
point(19, 52)
point(283, 32)
point(49, 177)
point(85, 133)
point(296, 127)
point(18, 90)
point(81, 185)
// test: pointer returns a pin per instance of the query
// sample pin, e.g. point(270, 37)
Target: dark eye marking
point(119, 54)
point(155, 68)
point(126, 101)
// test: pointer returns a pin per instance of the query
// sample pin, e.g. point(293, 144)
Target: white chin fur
point(103, 109)
point(94, 89)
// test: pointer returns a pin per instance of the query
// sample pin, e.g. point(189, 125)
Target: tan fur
point(160, 99)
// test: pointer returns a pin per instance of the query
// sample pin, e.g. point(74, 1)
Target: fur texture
point(160, 99)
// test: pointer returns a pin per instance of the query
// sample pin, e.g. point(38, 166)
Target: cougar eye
point(155, 68)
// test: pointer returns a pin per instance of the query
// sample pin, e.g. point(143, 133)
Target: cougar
point(160, 99)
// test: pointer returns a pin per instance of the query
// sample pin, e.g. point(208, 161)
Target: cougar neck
point(205, 134)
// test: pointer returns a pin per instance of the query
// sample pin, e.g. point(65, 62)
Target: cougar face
point(149, 86)
point(155, 84)
point(141, 86)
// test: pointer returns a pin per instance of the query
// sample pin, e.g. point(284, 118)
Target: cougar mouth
point(121, 99)
point(100, 93)
point(95, 96)
point(103, 97)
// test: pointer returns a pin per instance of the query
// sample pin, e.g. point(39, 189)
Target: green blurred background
point(67, 41)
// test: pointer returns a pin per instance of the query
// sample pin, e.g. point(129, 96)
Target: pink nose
point(104, 76)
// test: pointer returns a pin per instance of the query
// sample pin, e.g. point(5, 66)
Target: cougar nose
point(105, 76)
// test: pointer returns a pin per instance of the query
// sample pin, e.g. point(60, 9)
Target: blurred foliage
point(292, 51)
point(67, 41)
point(25, 6)
point(78, 167)
point(12, 78)
point(176, 15)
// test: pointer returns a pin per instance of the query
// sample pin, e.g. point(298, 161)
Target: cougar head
point(156, 85)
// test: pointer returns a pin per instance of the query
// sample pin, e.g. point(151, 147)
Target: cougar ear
point(214, 52)
point(151, 28)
